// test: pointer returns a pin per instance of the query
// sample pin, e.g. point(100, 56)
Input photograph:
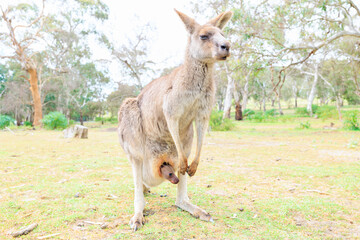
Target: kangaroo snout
point(223, 51)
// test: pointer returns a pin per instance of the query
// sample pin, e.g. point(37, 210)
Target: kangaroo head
point(207, 42)
point(167, 172)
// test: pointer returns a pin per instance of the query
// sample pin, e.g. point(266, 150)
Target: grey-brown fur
point(159, 122)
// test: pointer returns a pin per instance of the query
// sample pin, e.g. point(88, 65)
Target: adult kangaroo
point(156, 128)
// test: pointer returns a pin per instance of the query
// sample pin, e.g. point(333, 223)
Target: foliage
point(267, 116)
point(326, 112)
point(305, 125)
point(217, 123)
point(6, 121)
point(352, 120)
point(28, 124)
point(55, 120)
point(112, 120)
point(248, 112)
point(301, 112)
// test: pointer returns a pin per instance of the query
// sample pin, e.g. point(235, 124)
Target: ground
point(259, 181)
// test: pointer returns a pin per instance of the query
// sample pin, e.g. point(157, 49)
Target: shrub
point(267, 116)
point(314, 108)
point(325, 112)
point(248, 113)
point(27, 124)
point(217, 123)
point(106, 119)
point(55, 120)
point(305, 125)
point(271, 112)
point(351, 120)
point(302, 112)
point(6, 121)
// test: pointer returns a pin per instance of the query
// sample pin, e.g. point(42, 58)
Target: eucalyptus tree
point(133, 53)
point(69, 60)
point(24, 29)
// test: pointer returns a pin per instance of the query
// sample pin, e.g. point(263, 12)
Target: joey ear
point(221, 20)
point(189, 22)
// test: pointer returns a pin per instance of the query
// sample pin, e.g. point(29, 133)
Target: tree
point(115, 99)
point(24, 27)
point(133, 56)
point(68, 60)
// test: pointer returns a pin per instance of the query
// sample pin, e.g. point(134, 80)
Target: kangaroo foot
point(137, 221)
point(194, 210)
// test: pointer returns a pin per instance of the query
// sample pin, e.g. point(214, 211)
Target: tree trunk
point(279, 102)
point(229, 93)
point(296, 101)
point(338, 106)
point(313, 91)
point(245, 95)
point(273, 102)
point(81, 118)
point(264, 103)
point(34, 88)
point(238, 112)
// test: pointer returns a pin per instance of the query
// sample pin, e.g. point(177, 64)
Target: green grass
point(289, 183)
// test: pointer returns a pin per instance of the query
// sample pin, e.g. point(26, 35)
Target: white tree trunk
point(313, 90)
point(245, 92)
point(229, 93)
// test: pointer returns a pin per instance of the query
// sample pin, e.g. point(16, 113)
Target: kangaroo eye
point(204, 37)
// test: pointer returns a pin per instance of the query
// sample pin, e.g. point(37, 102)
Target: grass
point(259, 181)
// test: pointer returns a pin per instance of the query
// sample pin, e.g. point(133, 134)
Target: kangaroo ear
point(221, 20)
point(189, 22)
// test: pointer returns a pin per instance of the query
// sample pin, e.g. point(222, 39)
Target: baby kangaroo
point(167, 172)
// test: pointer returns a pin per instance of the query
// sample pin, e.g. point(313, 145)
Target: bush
point(6, 121)
point(28, 124)
point(267, 116)
point(351, 120)
point(305, 125)
point(218, 124)
point(55, 120)
point(302, 112)
point(106, 119)
point(326, 112)
point(271, 112)
point(248, 113)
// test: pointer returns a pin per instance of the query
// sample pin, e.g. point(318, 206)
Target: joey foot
point(192, 168)
point(183, 166)
point(137, 221)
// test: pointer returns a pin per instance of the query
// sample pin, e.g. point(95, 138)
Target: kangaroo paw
point(183, 167)
point(192, 169)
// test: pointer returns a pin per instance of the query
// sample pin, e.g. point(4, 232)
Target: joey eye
point(204, 37)
point(170, 174)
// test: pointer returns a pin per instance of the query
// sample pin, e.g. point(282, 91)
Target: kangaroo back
point(130, 128)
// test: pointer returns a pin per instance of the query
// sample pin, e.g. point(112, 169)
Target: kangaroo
point(156, 128)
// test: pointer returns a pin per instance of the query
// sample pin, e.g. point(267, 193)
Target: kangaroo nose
point(225, 46)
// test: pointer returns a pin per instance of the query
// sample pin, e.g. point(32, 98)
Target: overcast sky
point(168, 40)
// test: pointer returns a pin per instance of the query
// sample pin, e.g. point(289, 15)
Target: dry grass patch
point(261, 181)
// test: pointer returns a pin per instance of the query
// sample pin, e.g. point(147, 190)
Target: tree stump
point(238, 112)
point(76, 131)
